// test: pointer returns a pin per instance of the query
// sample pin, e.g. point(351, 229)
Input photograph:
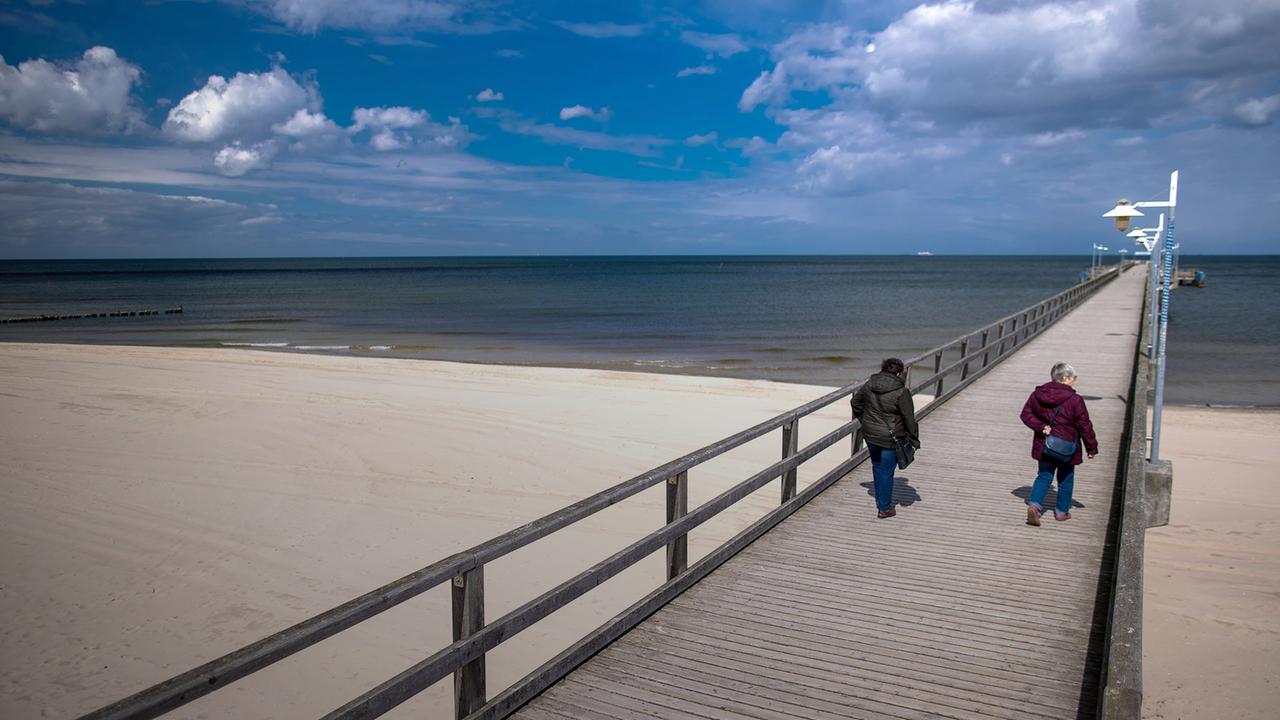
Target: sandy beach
point(1211, 635)
point(162, 507)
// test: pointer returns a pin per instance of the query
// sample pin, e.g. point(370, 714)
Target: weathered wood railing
point(473, 637)
point(1121, 681)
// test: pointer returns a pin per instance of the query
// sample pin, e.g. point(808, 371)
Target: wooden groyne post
point(84, 316)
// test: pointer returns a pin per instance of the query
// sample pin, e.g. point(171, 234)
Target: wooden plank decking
point(955, 608)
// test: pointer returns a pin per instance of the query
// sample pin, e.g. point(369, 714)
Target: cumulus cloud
point(91, 95)
point(602, 29)
point(488, 95)
point(399, 128)
point(582, 111)
point(726, 45)
point(245, 107)
point(235, 160)
point(1257, 111)
point(1050, 64)
point(306, 124)
point(948, 79)
point(697, 70)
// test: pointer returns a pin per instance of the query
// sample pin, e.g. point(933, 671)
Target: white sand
point(160, 507)
point(1211, 620)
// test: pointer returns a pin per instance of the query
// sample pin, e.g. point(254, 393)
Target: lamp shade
point(1122, 212)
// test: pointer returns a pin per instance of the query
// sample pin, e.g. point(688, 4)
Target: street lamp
point(1122, 213)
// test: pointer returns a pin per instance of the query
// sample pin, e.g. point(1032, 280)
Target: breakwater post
point(85, 316)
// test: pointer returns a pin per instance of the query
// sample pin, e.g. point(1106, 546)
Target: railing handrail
point(210, 676)
point(1120, 695)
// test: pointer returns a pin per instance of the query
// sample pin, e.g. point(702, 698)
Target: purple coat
point(1072, 421)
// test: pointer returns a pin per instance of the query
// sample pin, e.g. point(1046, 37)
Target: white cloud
point(602, 29)
point(488, 95)
point(1257, 111)
point(313, 15)
point(642, 145)
point(91, 96)
point(582, 111)
point(698, 140)
point(697, 70)
point(304, 124)
point(726, 45)
point(1049, 139)
point(235, 160)
point(1040, 65)
point(399, 128)
point(246, 107)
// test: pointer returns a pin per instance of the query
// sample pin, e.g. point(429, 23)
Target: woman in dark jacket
point(1055, 408)
point(884, 407)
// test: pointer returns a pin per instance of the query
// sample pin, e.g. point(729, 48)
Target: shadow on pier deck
point(955, 608)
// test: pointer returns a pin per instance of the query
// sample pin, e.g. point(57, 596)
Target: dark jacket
point(884, 402)
point(1072, 421)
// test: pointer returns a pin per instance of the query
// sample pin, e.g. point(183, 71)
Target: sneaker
point(1033, 516)
point(1060, 518)
point(882, 514)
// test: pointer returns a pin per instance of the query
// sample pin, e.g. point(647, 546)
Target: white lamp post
point(1123, 212)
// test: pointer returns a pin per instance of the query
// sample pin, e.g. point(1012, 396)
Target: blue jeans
point(1066, 481)
point(883, 462)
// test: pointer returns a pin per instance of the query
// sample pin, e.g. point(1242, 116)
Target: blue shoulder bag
point(1057, 448)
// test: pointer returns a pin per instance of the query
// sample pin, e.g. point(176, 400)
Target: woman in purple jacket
point(1055, 408)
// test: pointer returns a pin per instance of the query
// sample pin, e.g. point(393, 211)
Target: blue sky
point(435, 127)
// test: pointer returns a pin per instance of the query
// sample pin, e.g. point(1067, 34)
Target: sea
point(799, 319)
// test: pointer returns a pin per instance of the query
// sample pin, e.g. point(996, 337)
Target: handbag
point(906, 452)
point(1058, 448)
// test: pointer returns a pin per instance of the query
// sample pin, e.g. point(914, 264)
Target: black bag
point(1058, 448)
point(905, 451)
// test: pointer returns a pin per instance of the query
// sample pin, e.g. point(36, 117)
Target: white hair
point(1062, 371)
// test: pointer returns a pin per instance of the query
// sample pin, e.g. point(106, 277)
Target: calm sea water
point(824, 320)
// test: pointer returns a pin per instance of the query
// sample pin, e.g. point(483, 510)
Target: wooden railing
point(955, 365)
point(1121, 674)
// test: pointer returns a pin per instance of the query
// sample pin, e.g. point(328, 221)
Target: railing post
point(937, 368)
point(468, 619)
point(964, 357)
point(677, 506)
point(790, 443)
point(1013, 336)
point(986, 335)
point(1000, 337)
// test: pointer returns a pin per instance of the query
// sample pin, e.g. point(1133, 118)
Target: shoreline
point(642, 367)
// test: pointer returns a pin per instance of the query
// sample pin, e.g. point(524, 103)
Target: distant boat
point(924, 253)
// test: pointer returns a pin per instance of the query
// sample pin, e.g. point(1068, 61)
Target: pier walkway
point(955, 608)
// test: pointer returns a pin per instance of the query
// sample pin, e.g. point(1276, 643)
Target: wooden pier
point(955, 608)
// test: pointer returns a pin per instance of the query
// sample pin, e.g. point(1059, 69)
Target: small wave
point(249, 344)
point(266, 321)
point(319, 347)
point(732, 362)
point(832, 359)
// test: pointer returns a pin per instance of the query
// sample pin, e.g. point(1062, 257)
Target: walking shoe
point(1033, 516)
point(882, 514)
point(1060, 518)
